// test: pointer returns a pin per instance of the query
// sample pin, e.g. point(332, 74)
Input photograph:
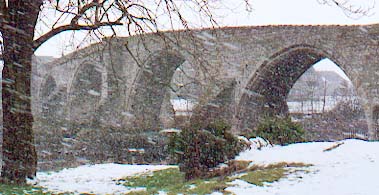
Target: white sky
point(265, 12)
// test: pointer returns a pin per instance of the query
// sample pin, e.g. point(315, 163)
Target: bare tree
point(351, 9)
point(312, 87)
point(18, 22)
point(324, 94)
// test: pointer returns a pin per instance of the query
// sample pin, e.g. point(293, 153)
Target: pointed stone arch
point(267, 88)
point(151, 87)
point(85, 93)
point(47, 92)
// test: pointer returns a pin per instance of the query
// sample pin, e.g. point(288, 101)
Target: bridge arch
point(47, 90)
point(151, 88)
point(48, 86)
point(267, 88)
point(53, 99)
point(85, 93)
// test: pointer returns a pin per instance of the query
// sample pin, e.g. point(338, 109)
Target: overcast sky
point(265, 12)
point(303, 12)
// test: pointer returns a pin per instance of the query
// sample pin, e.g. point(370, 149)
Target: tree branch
point(38, 42)
point(350, 9)
point(84, 9)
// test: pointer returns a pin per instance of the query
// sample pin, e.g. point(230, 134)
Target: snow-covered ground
point(316, 106)
point(97, 179)
point(182, 107)
point(350, 169)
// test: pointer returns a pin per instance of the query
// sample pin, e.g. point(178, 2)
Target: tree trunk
point(19, 155)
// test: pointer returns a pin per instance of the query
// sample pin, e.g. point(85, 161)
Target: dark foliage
point(121, 146)
point(347, 109)
point(279, 131)
point(345, 120)
point(198, 150)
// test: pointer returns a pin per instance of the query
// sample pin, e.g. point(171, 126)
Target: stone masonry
point(240, 74)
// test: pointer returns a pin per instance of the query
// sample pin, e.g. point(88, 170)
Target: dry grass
point(172, 181)
point(333, 147)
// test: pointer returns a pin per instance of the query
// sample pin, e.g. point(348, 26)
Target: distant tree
point(305, 89)
point(346, 93)
point(344, 89)
point(324, 94)
point(312, 86)
point(18, 22)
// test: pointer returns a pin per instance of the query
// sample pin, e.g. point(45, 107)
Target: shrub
point(121, 146)
point(279, 131)
point(196, 151)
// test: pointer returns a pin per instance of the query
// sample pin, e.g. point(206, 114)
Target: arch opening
point(268, 89)
point(186, 88)
point(50, 124)
point(151, 94)
point(51, 100)
point(85, 95)
point(47, 90)
point(325, 103)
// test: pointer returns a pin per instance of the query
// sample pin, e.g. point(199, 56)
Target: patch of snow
point(136, 150)
point(350, 169)
point(93, 92)
point(259, 143)
point(316, 106)
point(66, 144)
point(356, 135)
point(182, 107)
point(168, 131)
point(97, 179)
point(46, 152)
point(127, 114)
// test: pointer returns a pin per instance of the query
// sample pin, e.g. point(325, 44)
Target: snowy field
point(182, 107)
point(350, 169)
point(316, 106)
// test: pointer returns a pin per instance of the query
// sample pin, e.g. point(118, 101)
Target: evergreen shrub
point(198, 150)
point(277, 130)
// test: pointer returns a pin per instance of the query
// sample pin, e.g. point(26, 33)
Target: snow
point(258, 143)
point(94, 93)
point(349, 169)
point(98, 179)
point(182, 107)
point(168, 131)
point(315, 106)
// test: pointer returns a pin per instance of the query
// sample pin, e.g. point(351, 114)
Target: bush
point(196, 151)
point(121, 146)
point(279, 131)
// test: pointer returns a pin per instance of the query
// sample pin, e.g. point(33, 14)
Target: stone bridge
point(240, 74)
